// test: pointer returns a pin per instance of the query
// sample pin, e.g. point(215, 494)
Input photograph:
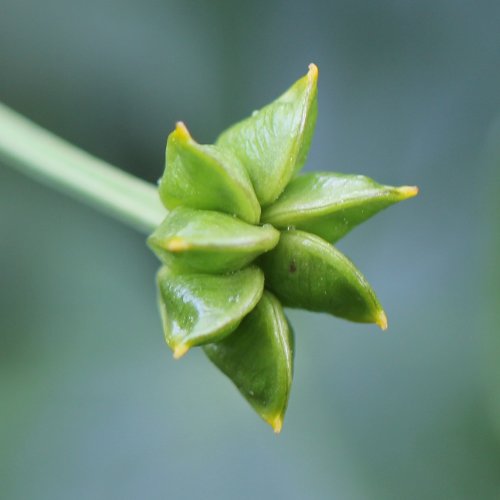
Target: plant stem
point(55, 162)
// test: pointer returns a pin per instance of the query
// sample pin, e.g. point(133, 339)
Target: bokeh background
point(92, 405)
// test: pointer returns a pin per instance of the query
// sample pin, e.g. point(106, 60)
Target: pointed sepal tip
point(177, 244)
point(313, 72)
point(381, 320)
point(276, 423)
point(407, 191)
point(182, 132)
point(180, 350)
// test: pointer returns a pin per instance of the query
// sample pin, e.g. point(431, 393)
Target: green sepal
point(273, 143)
point(331, 204)
point(198, 309)
point(209, 242)
point(305, 271)
point(258, 358)
point(206, 177)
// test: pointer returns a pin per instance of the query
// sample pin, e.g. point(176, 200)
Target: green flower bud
point(221, 258)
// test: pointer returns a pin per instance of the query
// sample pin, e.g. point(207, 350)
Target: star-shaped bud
point(246, 235)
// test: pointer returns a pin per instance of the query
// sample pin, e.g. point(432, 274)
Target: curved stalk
point(56, 163)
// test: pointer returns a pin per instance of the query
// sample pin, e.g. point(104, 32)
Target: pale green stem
point(55, 162)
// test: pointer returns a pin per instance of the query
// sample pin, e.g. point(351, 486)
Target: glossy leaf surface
point(258, 358)
point(330, 204)
point(273, 143)
point(307, 272)
point(201, 308)
point(209, 242)
point(205, 177)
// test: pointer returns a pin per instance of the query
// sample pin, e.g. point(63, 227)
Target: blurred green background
point(92, 405)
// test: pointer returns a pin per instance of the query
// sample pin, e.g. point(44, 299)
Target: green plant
point(240, 234)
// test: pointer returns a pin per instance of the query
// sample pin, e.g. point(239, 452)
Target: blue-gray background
point(91, 403)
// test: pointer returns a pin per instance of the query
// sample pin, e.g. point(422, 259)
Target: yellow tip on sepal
point(381, 320)
point(276, 423)
point(408, 191)
point(313, 71)
point(182, 132)
point(177, 244)
point(180, 350)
